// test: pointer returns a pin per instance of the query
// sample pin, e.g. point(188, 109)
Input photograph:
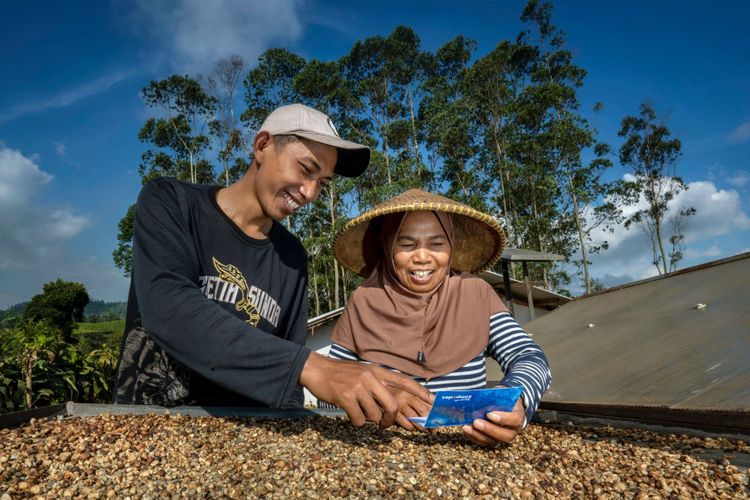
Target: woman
point(419, 314)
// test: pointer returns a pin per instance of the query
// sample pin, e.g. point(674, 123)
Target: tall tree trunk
point(315, 287)
point(540, 243)
point(581, 235)
point(413, 126)
point(385, 135)
point(325, 270)
point(332, 208)
point(661, 245)
point(500, 152)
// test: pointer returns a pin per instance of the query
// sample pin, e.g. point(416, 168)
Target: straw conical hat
point(479, 239)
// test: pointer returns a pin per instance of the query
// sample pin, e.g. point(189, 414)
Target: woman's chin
point(421, 286)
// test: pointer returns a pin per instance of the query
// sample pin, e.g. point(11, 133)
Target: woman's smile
point(421, 253)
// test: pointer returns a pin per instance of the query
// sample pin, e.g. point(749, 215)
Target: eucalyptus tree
point(492, 87)
point(270, 85)
point(450, 136)
point(650, 155)
point(188, 108)
point(223, 84)
point(409, 64)
point(678, 222)
point(556, 80)
point(382, 73)
point(177, 146)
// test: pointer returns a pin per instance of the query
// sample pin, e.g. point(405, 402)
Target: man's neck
point(239, 203)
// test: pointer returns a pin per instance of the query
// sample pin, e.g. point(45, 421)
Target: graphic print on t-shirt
point(230, 285)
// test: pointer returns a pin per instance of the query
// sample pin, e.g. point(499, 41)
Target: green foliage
point(123, 254)
point(100, 311)
point(39, 368)
point(93, 336)
point(650, 156)
point(61, 304)
point(503, 133)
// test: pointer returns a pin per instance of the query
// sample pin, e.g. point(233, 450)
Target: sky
point(71, 109)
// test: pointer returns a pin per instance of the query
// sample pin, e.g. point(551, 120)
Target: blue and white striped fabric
point(521, 360)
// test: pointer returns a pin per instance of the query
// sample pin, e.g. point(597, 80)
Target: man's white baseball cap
point(304, 121)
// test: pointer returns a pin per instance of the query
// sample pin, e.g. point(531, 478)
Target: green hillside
point(94, 335)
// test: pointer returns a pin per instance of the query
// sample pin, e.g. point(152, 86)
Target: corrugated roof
point(651, 343)
point(542, 298)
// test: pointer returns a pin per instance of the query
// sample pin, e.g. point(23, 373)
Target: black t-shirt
point(215, 317)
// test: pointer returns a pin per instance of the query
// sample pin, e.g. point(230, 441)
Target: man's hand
point(410, 405)
point(361, 390)
point(500, 426)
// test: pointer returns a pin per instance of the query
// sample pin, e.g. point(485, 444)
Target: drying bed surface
point(172, 456)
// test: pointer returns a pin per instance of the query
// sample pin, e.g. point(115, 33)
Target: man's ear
point(263, 140)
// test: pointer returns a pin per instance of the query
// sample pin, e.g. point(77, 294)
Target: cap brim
point(353, 158)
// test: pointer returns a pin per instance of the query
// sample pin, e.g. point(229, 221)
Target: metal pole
point(508, 291)
point(528, 289)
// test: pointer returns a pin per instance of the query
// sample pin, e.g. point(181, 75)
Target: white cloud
point(196, 33)
point(713, 251)
point(30, 233)
point(739, 178)
point(20, 178)
point(34, 239)
point(740, 134)
point(60, 148)
point(65, 98)
point(744, 250)
point(719, 213)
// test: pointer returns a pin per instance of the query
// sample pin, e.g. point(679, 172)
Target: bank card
point(463, 407)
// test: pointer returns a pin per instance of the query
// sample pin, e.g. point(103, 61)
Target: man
point(218, 299)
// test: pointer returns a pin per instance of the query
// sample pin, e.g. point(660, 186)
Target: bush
point(38, 367)
point(61, 304)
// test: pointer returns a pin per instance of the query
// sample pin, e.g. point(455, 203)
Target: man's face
point(291, 179)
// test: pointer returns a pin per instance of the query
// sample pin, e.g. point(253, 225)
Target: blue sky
point(70, 106)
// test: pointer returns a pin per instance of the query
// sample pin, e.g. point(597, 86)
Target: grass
point(116, 326)
point(95, 335)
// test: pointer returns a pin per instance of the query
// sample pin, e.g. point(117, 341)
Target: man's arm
point(361, 390)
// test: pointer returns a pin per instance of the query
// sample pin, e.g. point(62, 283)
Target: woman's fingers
point(409, 406)
point(499, 427)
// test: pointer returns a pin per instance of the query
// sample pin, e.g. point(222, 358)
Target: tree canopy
point(504, 133)
point(61, 304)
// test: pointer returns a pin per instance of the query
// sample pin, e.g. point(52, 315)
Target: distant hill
point(109, 310)
point(97, 310)
point(16, 309)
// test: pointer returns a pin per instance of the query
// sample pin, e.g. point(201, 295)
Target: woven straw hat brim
point(479, 239)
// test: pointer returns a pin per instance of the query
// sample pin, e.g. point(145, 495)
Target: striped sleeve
point(522, 361)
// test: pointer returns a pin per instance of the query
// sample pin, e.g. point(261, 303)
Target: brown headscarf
point(422, 334)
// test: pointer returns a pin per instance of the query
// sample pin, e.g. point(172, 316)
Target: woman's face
point(422, 252)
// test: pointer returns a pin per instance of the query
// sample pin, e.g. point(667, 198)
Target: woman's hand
point(500, 426)
point(410, 405)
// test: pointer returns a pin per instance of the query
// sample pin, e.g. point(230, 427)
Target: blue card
point(463, 407)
